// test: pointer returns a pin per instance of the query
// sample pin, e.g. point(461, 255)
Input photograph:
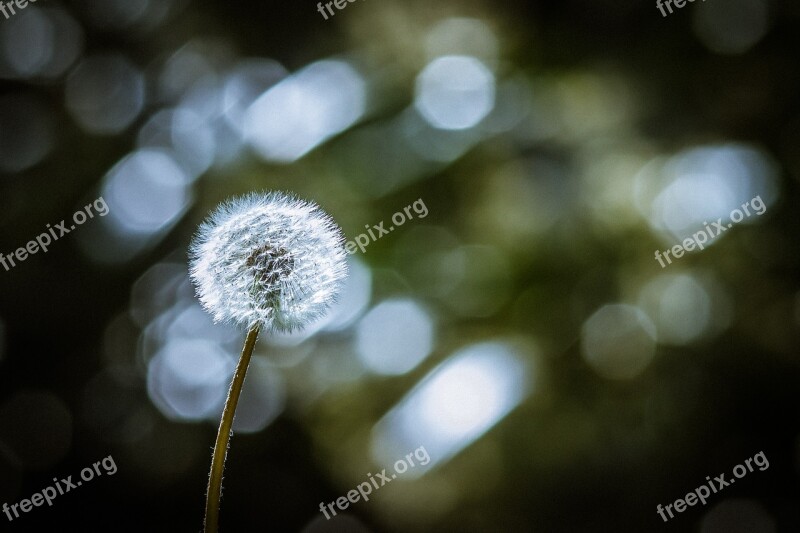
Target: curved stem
point(224, 434)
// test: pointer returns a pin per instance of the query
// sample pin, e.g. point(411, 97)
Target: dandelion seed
point(268, 259)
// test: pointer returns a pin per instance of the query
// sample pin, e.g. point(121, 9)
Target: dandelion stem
point(224, 435)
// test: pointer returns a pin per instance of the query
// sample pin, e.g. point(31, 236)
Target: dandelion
point(262, 261)
point(269, 260)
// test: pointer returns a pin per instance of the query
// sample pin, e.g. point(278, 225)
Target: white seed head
point(268, 259)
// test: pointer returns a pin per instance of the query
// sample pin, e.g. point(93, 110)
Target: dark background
point(602, 90)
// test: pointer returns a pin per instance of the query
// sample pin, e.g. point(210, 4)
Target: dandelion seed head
point(268, 259)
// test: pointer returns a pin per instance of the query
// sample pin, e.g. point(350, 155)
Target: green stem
point(224, 435)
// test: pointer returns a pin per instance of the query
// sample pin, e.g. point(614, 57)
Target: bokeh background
point(560, 379)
